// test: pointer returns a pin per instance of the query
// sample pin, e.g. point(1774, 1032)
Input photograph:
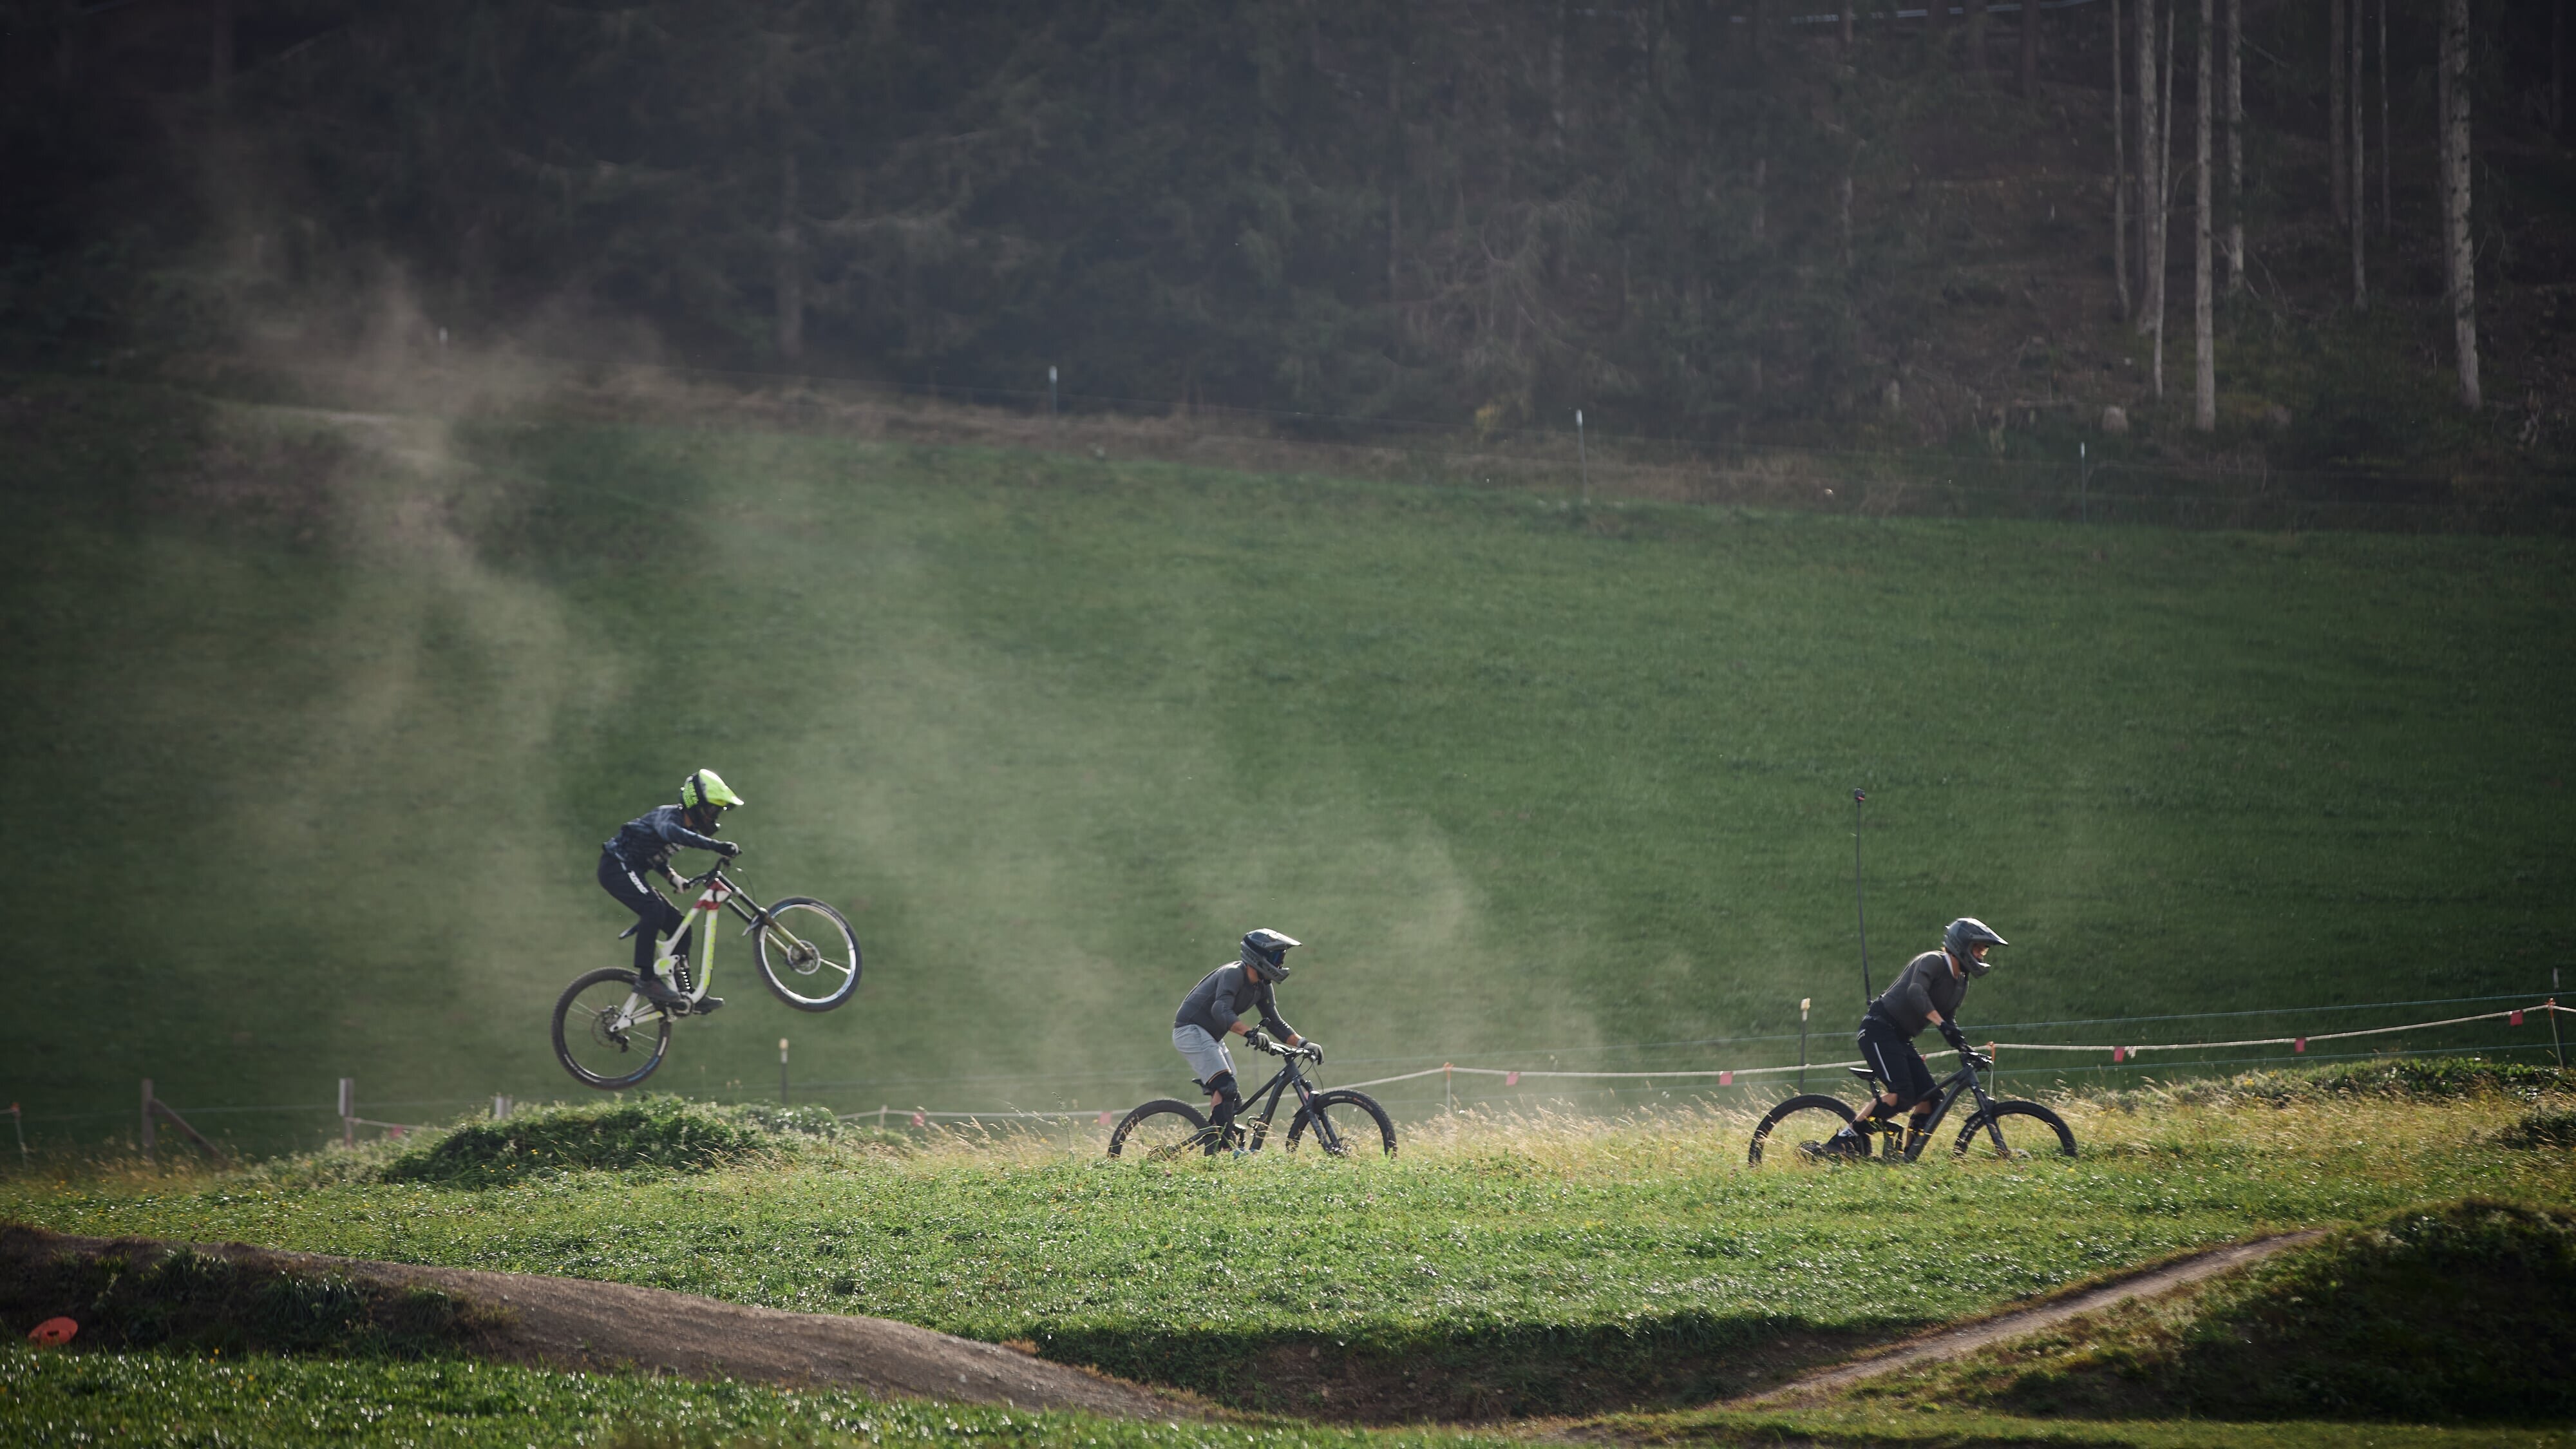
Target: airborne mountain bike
point(1343, 1121)
point(608, 1034)
point(2016, 1128)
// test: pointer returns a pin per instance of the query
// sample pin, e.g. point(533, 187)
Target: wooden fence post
point(147, 1119)
point(348, 1111)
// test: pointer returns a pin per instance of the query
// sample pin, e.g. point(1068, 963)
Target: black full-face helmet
point(1963, 938)
point(1267, 950)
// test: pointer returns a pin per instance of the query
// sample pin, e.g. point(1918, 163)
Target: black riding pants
point(658, 916)
point(1900, 1067)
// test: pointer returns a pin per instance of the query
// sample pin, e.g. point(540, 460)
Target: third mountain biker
point(1926, 993)
point(1214, 1009)
point(642, 846)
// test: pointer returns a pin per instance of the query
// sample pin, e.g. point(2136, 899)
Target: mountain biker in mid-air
point(1927, 992)
point(643, 845)
point(1214, 1009)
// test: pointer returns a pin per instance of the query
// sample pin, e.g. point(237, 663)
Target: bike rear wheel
point(606, 1034)
point(1345, 1123)
point(1160, 1131)
point(808, 954)
point(2028, 1129)
point(1811, 1118)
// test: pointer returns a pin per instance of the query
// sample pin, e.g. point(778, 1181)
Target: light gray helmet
point(1961, 940)
point(1268, 949)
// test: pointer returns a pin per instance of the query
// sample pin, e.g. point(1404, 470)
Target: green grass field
point(1502, 1268)
point(316, 724)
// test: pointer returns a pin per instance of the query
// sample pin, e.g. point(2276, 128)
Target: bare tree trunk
point(2236, 146)
point(1395, 183)
point(1845, 208)
point(2455, 200)
point(219, 45)
point(2204, 335)
point(2342, 178)
point(2360, 171)
point(2029, 49)
point(788, 280)
point(1976, 35)
point(2120, 171)
point(2387, 201)
point(2150, 186)
point(2164, 192)
point(1846, 13)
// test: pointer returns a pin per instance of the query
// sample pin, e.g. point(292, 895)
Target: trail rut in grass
point(1968, 1337)
point(582, 1325)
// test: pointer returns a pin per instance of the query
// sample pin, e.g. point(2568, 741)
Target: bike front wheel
point(2026, 1129)
point(606, 1034)
point(1344, 1123)
point(1811, 1118)
point(1160, 1131)
point(808, 954)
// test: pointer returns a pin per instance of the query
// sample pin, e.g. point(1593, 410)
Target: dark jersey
point(1223, 996)
point(646, 842)
point(1925, 985)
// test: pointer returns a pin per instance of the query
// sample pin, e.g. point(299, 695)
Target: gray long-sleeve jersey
point(1223, 996)
point(1925, 985)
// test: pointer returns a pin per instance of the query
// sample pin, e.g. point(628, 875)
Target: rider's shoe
point(706, 1005)
point(1844, 1145)
point(651, 986)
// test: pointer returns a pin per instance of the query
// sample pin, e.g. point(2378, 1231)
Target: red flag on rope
point(2298, 1044)
point(1511, 1079)
point(1726, 1079)
point(2118, 1055)
point(2517, 1017)
point(920, 1121)
point(1104, 1119)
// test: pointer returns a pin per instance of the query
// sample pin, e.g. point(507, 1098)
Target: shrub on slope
point(664, 1134)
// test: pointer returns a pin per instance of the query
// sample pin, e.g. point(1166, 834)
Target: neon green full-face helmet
point(707, 788)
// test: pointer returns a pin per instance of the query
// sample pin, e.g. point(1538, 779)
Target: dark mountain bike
point(1343, 1121)
point(609, 1035)
point(2016, 1128)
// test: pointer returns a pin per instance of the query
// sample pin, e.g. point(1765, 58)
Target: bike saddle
point(631, 930)
point(1864, 1073)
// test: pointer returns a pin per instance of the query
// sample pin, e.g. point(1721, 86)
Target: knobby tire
point(808, 954)
point(651, 1035)
point(1975, 1132)
point(1160, 1131)
point(1810, 1113)
point(1343, 1111)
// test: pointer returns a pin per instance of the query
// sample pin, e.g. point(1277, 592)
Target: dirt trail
point(579, 1324)
point(1969, 1337)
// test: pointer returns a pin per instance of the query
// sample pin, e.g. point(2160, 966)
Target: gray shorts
point(1206, 1055)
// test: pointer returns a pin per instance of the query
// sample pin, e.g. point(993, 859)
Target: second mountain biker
point(1927, 992)
point(643, 846)
point(1214, 1009)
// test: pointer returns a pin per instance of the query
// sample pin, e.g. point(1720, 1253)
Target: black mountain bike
point(1163, 1130)
point(2016, 1128)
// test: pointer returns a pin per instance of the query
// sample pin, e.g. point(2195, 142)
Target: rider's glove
point(1313, 1049)
point(1957, 1039)
point(728, 849)
point(1259, 1040)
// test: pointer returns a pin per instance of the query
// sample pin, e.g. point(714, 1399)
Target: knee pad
point(1221, 1086)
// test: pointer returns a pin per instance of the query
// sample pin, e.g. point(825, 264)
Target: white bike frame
point(702, 919)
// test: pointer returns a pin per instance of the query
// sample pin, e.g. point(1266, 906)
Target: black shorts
point(1898, 1064)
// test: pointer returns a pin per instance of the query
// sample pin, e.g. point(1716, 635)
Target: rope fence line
point(2120, 1053)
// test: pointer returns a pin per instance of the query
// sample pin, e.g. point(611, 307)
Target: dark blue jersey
point(646, 842)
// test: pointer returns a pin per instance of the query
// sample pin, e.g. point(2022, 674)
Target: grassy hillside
point(318, 721)
point(1497, 1269)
